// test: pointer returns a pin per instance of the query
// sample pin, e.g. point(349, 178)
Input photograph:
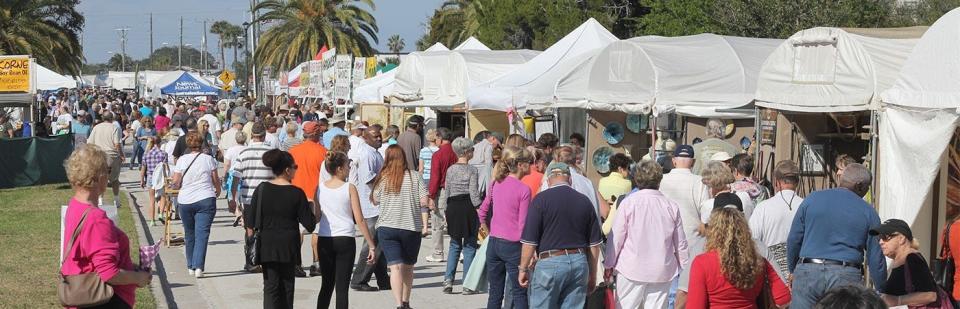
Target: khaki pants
point(438, 223)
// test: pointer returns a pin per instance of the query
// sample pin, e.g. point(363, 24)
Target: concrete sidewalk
point(226, 285)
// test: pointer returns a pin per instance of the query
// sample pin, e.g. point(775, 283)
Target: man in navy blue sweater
point(828, 238)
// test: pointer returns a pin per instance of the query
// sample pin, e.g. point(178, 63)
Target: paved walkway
point(226, 285)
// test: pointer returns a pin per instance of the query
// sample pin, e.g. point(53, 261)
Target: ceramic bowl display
point(601, 159)
point(613, 133)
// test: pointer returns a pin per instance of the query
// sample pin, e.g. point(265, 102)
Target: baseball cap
point(415, 119)
point(720, 156)
point(557, 167)
point(727, 199)
point(892, 226)
point(310, 128)
point(683, 151)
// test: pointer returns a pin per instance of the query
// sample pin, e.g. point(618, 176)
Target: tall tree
point(48, 30)
point(226, 33)
point(301, 27)
point(395, 44)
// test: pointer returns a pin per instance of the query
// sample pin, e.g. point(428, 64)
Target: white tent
point(441, 79)
point(919, 118)
point(374, 89)
point(50, 80)
point(535, 80)
point(830, 70)
point(472, 43)
point(701, 75)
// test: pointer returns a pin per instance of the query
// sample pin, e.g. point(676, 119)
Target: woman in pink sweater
point(101, 246)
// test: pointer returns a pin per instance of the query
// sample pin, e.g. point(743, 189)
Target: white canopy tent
point(701, 75)
point(830, 70)
point(471, 43)
point(374, 89)
point(441, 78)
point(535, 80)
point(918, 119)
point(50, 80)
point(121, 80)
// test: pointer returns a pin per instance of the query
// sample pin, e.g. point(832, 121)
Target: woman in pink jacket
point(101, 246)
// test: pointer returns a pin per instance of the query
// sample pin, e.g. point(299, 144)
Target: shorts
point(114, 163)
point(399, 246)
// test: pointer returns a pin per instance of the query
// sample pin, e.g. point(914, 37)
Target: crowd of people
point(519, 212)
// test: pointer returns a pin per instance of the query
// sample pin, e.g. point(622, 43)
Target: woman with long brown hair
point(732, 273)
point(399, 193)
point(511, 198)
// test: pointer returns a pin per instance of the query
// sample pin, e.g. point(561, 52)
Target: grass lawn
point(29, 246)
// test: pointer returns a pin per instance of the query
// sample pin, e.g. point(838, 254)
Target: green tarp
point(34, 160)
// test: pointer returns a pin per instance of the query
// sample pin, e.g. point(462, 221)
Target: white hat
point(721, 156)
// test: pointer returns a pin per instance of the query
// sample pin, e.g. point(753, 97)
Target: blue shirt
point(146, 111)
point(328, 136)
point(561, 218)
point(834, 224)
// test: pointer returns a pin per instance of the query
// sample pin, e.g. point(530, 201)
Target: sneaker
point(314, 271)
point(190, 271)
point(467, 291)
point(253, 268)
point(434, 259)
point(447, 286)
point(199, 273)
point(299, 273)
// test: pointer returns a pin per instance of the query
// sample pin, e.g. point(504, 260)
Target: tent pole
point(756, 140)
point(874, 167)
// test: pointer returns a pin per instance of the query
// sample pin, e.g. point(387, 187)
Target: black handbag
point(944, 266)
point(253, 251)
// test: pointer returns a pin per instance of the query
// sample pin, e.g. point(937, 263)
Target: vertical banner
point(327, 76)
point(371, 66)
point(316, 80)
point(341, 90)
point(359, 70)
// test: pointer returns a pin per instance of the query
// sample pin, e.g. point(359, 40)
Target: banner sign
point(371, 67)
point(315, 85)
point(15, 74)
point(327, 75)
point(359, 70)
point(341, 90)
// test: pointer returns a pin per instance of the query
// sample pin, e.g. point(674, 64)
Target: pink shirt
point(647, 242)
point(510, 199)
point(161, 122)
point(101, 247)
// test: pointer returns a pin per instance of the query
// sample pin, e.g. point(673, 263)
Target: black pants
point(114, 303)
point(247, 242)
point(336, 260)
point(362, 271)
point(278, 285)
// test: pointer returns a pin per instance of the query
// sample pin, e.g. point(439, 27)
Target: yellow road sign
point(226, 77)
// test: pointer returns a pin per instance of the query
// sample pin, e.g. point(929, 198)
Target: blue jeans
point(812, 281)
point(503, 258)
point(469, 248)
point(197, 218)
point(560, 282)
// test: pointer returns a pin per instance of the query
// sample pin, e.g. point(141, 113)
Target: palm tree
point(301, 27)
point(233, 40)
point(226, 32)
point(396, 44)
point(48, 30)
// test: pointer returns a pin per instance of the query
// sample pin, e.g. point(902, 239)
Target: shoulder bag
point(254, 250)
point(176, 185)
point(765, 299)
point(82, 290)
point(944, 266)
point(944, 301)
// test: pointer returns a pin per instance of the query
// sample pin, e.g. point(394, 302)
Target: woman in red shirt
point(731, 273)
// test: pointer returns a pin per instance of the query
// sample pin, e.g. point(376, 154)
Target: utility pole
point(180, 48)
point(123, 48)
point(151, 34)
point(253, 41)
point(203, 47)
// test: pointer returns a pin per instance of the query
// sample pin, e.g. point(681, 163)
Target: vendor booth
point(683, 80)
point(919, 143)
point(372, 94)
point(816, 94)
point(50, 80)
point(439, 81)
point(180, 83)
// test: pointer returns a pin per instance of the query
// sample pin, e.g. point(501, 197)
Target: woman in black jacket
point(279, 250)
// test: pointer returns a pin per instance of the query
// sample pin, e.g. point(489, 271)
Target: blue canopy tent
point(188, 85)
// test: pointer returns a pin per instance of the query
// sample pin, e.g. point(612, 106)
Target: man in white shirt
point(366, 164)
point(228, 138)
point(771, 220)
point(687, 189)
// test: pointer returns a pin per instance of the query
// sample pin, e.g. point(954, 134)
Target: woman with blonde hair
point(718, 177)
point(732, 273)
point(510, 197)
point(426, 158)
point(340, 143)
point(196, 174)
point(203, 128)
point(516, 140)
point(100, 246)
point(910, 282)
point(400, 194)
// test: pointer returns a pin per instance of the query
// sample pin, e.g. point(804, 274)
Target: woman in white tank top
point(339, 211)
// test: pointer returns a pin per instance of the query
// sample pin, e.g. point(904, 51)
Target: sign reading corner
point(15, 74)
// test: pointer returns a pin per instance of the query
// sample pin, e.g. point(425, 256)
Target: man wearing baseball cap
point(687, 189)
point(308, 156)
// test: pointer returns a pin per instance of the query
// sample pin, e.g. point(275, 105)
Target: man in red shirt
point(441, 160)
point(308, 156)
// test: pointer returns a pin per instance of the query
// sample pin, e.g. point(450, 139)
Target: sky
point(101, 40)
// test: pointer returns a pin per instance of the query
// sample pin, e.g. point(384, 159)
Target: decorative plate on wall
point(637, 123)
point(613, 133)
point(601, 159)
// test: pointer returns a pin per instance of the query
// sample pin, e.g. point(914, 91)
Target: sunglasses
point(888, 237)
